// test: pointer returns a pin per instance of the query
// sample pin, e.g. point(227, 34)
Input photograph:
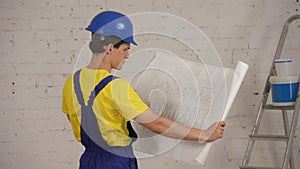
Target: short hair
point(99, 41)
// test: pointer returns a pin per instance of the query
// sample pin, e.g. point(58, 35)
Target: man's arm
point(170, 128)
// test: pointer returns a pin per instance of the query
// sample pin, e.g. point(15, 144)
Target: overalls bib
point(98, 154)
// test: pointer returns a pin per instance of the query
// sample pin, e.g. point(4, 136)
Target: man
point(100, 106)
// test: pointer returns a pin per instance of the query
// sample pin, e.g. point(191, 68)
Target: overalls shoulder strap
point(89, 129)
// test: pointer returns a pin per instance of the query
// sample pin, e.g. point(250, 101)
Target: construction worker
point(100, 106)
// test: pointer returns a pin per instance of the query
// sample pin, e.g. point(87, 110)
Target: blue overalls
point(98, 154)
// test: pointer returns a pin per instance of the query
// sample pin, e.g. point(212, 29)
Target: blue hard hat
point(111, 23)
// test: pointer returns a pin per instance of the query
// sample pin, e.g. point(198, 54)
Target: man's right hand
point(214, 132)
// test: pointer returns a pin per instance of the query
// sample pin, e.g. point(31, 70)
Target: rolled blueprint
point(238, 77)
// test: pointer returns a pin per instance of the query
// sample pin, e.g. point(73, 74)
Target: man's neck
point(99, 61)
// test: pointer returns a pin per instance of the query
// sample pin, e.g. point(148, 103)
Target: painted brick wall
point(41, 39)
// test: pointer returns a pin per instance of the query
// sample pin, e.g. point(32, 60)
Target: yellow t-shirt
point(114, 106)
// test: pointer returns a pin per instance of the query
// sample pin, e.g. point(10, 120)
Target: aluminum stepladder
point(289, 128)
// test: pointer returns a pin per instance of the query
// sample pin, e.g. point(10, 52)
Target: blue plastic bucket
point(284, 90)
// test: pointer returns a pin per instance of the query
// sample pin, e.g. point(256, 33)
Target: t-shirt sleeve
point(127, 100)
point(66, 95)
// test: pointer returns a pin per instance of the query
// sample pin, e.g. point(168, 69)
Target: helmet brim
point(130, 40)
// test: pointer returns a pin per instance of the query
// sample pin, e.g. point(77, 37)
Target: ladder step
point(253, 167)
point(269, 137)
point(271, 107)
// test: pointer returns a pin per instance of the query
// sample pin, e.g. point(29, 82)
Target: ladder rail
point(284, 35)
point(287, 131)
point(282, 41)
point(251, 141)
point(288, 152)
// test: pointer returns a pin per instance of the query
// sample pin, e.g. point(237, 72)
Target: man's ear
point(108, 48)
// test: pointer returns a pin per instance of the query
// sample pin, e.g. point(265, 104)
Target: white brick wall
point(41, 39)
